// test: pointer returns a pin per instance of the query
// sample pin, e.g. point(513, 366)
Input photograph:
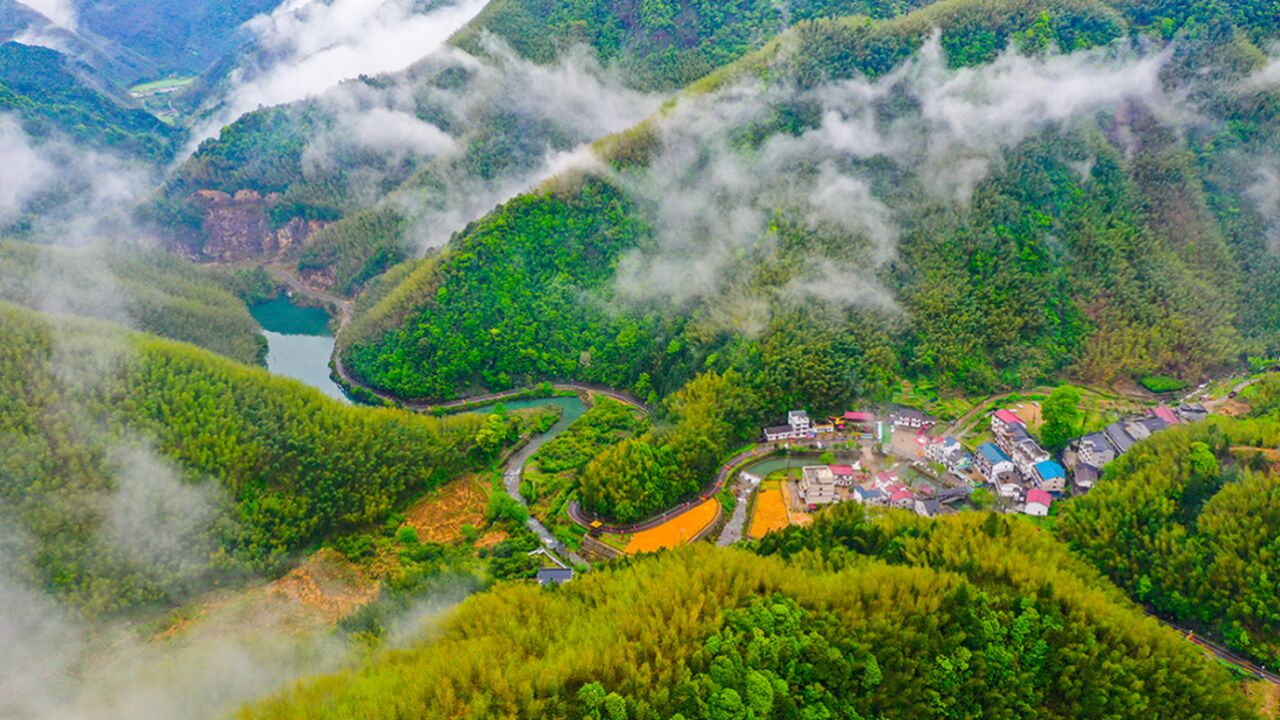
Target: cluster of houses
point(822, 485)
point(862, 423)
point(1016, 465)
point(950, 454)
point(1019, 469)
point(1099, 448)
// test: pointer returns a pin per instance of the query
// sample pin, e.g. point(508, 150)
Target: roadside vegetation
point(1188, 523)
point(966, 615)
point(145, 470)
point(552, 477)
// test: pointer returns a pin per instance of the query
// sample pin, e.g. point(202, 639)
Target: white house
point(797, 427)
point(1094, 449)
point(1038, 502)
point(910, 418)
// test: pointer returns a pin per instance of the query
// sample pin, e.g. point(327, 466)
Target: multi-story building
point(797, 428)
point(817, 486)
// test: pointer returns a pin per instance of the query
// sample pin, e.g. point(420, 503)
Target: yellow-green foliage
point(1189, 523)
point(278, 465)
point(969, 616)
point(155, 292)
point(356, 248)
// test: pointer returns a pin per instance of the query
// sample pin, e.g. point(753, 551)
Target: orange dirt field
point(438, 516)
point(770, 511)
point(677, 531)
point(320, 591)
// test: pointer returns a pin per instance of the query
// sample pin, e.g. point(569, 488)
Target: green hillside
point(1189, 524)
point(1106, 245)
point(176, 38)
point(659, 44)
point(51, 97)
point(966, 616)
point(153, 291)
point(504, 114)
point(143, 470)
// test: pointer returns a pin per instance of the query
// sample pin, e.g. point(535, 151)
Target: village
point(900, 458)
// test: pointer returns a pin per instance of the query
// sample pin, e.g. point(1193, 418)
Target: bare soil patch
point(439, 516)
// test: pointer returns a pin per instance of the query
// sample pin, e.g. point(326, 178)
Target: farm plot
point(770, 510)
point(677, 531)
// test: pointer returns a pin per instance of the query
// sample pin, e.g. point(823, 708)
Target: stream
point(300, 344)
point(512, 471)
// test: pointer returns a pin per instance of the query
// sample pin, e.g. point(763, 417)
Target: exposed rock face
point(238, 227)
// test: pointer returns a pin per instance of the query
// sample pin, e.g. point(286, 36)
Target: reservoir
point(299, 343)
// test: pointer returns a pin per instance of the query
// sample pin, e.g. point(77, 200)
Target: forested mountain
point(150, 290)
point(658, 44)
point(178, 38)
point(55, 97)
point(444, 141)
point(136, 471)
point(1189, 524)
point(127, 43)
point(965, 616)
point(985, 194)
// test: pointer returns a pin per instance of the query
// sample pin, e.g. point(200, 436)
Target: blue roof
point(992, 453)
point(1049, 469)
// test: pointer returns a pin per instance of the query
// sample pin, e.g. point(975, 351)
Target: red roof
point(902, 495)
point(1039, 496)
point(1165, 414)
point(841, 469)
point(1008, 418)
point(859, 416)
point(884, 476)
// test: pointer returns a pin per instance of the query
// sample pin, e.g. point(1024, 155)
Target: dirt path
point(346, 308)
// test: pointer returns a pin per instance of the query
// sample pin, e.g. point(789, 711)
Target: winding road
point(1225, 655)
point(513, 470)
point(733, 530)
point(726, 471)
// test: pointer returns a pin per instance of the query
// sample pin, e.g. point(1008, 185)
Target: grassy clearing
point(158, 86)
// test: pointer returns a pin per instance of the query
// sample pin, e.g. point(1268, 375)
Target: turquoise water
point(782, 462)
point(299, 343)
point(768, 465)
point(573, 409)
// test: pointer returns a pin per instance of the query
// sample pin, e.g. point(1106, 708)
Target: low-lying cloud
point(66, 193)
point(715, 200)
point(306, 47)
point(502, 127)
point(1265, 194)
point(59, 12)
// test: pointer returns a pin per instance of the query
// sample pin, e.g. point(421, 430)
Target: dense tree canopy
point(1107, 254)
point(143, 469)
point(42, 88)
point(968, 616)
point(639, 477)
point(1188, 522)
point(152, 291)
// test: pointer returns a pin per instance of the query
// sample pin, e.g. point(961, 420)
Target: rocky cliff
point(239, 227)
